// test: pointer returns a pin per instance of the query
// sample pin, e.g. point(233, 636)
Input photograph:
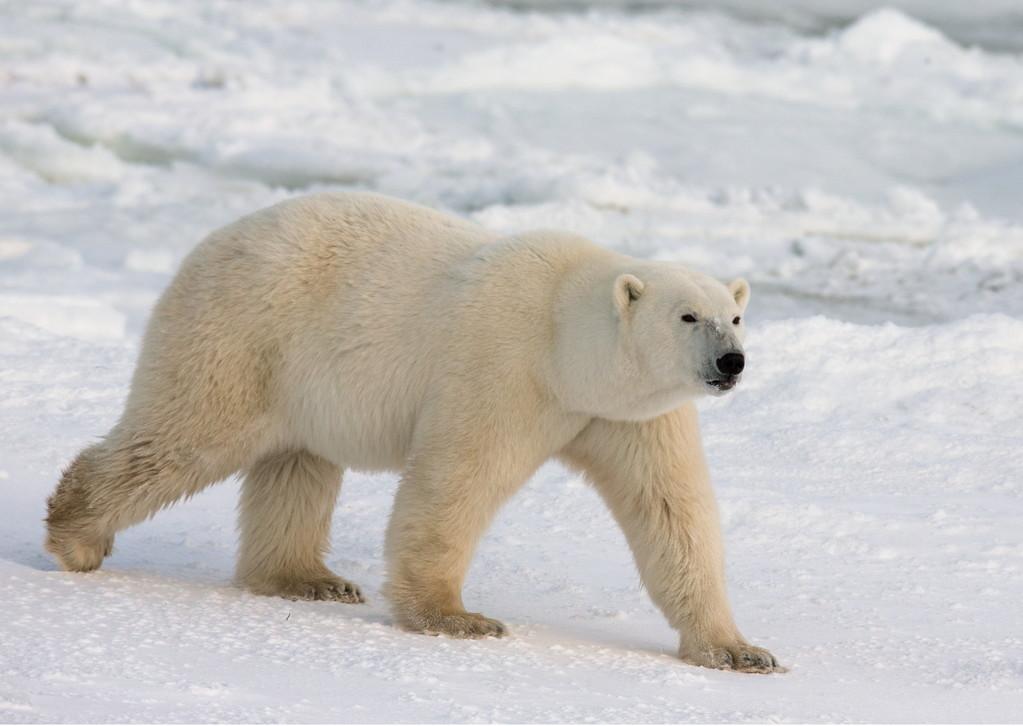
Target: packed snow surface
point(865, 176)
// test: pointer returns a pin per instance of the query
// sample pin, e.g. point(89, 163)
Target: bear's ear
point(740, 291)
point(628, 288)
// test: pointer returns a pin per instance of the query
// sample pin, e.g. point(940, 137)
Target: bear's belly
point(354, 415)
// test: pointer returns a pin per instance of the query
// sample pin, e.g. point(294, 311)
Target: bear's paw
point(464, 625)
point(740, 657)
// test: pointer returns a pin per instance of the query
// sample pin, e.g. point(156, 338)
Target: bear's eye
point(736, 320)
point(689, 318)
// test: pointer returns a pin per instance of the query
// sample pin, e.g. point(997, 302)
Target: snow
point(862, 170)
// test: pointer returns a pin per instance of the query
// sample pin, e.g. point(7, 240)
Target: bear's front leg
point(454, 484)
point(653, 476)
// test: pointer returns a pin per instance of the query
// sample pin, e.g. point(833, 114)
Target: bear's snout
point(731, 364)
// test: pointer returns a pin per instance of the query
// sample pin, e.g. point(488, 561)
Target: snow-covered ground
point(866, 176)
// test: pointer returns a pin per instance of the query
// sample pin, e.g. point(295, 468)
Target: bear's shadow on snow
point(23, 554)
point(136, 571)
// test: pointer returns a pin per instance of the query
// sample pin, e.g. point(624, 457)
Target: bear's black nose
point(731, 364)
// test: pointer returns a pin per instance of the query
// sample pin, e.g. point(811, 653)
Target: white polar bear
point(355, 331)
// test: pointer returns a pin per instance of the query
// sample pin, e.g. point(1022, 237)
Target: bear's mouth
point(724, 384)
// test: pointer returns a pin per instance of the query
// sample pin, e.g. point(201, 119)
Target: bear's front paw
point(467, 625)
point(457, 625)
point(733, 657)
point(321, 587)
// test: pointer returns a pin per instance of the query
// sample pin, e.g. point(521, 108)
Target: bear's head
point(651, 337)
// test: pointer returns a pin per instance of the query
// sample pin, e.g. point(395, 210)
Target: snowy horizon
point(860, 163)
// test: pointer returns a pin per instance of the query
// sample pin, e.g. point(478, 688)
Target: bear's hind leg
point(120, 482)
point(285, 511)
point(73, 536)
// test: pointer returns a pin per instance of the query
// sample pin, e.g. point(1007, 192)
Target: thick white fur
point(343, 331)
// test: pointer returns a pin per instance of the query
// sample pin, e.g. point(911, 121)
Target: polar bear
point(355, 331)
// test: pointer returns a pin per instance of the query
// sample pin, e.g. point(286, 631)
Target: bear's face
point(680, 335)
